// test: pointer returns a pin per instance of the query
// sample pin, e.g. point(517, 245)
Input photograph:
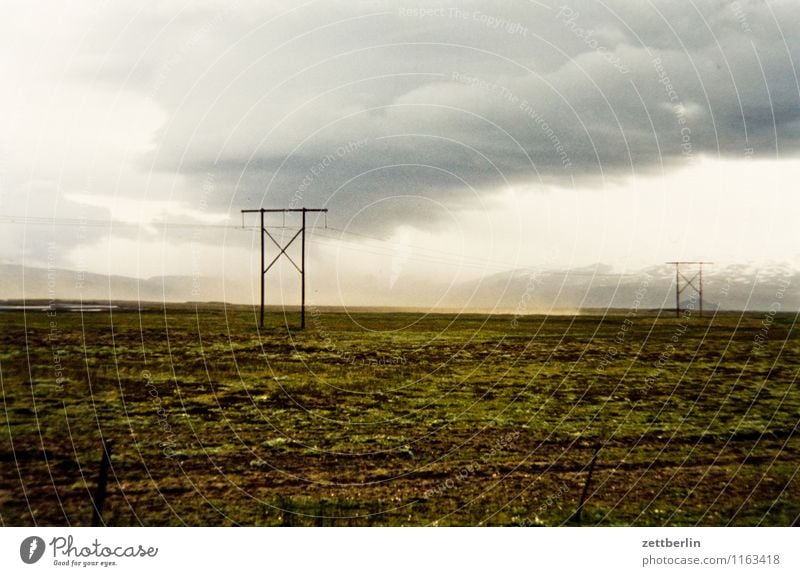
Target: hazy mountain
point(522, 291)
point(727, 288)
point(17, 282)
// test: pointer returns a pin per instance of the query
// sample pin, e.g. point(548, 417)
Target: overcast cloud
point(398, 116)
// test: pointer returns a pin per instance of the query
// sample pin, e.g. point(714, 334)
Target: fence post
point(576, 518)
point(102, 482)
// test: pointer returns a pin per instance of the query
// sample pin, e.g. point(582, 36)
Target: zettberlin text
point(667, 543)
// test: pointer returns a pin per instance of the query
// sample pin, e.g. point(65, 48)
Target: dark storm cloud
point(451, 101)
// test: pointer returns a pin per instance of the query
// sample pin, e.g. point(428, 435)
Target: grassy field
point(399, 419)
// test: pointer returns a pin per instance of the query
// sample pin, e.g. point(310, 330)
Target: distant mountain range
point(598, 287)
point(18, 282)
point(522, 291)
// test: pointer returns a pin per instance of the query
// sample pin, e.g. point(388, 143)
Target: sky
point(448, 140)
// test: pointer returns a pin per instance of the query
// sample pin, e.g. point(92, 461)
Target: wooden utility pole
point(689, 282)
point(282, 252)
point(102, 483)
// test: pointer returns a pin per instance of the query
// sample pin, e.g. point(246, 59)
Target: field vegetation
point(373, 419)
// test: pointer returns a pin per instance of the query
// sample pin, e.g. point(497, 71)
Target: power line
point(688, 282)
point(323, 235)
point(417, 254)
point(302, 268)
point(95, 223)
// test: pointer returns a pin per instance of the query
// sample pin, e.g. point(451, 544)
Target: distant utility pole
point(688, 282)
point(282, 252)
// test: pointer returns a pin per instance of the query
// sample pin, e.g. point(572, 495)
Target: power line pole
point(303, 275)
point(689, 282)
point(282, 252)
